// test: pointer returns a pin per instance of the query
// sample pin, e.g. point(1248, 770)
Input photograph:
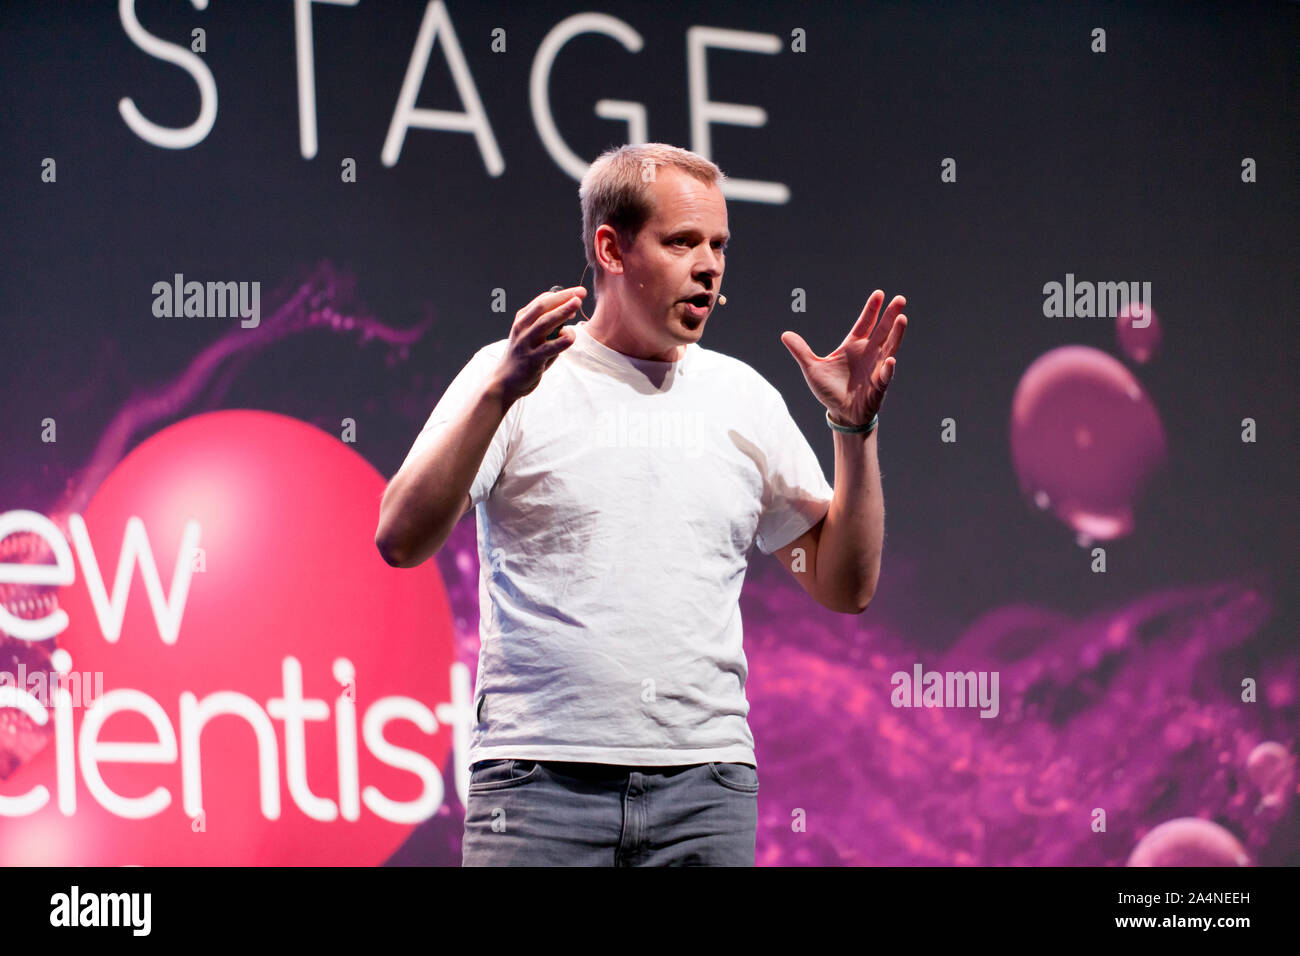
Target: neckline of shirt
point(603, 353)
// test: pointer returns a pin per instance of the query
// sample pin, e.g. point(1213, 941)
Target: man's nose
point(711, 263)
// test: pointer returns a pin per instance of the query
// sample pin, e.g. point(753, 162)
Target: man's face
point(678, 254)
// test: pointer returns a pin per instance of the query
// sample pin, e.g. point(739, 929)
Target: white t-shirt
point(616, 506)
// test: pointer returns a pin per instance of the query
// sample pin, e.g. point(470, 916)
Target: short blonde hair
point(614, 190)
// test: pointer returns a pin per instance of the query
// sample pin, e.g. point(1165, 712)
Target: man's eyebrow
point(693, 231)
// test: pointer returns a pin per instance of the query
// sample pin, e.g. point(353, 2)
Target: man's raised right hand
point(529, 354)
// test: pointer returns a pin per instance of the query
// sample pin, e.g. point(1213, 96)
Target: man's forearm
point(849, 549)
point(426, 497)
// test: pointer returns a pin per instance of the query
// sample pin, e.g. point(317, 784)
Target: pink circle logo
point(247, 682)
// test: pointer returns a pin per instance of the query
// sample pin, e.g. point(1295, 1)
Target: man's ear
point(609, 252)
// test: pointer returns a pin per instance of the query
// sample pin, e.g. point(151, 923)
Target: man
point(621, 473)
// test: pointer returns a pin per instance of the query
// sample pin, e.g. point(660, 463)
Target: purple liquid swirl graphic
point(1134, 710)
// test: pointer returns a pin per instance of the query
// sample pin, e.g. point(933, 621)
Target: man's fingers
point(868, 317)
point(544, 324)
point(885, 327)
point(555, 346)
point(871, 324)
point(535, 311)
point(553, 350)
point(887, 375)
point(896, 335)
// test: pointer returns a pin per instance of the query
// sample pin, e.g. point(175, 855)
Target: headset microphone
point(722, 300)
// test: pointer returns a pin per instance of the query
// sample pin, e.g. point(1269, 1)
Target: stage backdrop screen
point(247, 246)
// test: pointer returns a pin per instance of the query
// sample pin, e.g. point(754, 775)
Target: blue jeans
point(547, 813)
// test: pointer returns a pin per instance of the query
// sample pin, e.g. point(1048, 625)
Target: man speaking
point(620, 474)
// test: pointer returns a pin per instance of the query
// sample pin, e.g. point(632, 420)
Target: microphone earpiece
point(722, 300)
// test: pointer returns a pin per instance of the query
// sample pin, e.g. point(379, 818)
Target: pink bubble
point(1189, 841)
point(1272, 770)
point(1085, 439)
point(1137, 328)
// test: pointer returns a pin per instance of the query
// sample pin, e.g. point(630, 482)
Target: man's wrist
point(852, 428)
point(496, 392)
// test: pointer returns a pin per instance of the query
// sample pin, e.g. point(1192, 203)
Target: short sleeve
point(796, 494)
point(461, 390)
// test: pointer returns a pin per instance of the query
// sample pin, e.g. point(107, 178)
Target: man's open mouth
point(697, 306)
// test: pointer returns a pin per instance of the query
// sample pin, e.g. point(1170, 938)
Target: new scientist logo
point(284, 656)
